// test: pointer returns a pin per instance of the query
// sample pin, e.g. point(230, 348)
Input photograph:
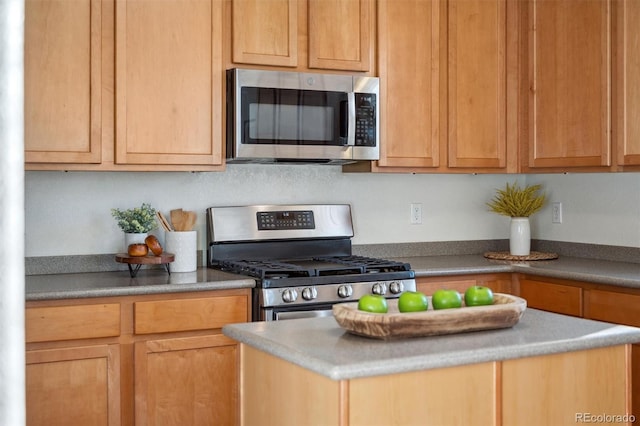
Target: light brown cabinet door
point(477, 83)
point(554, 389)
point(408, 59)
point(569, 74)
point(187, 381)
point(265, 32)
point(73, 386)
point(169, 80)
point(340, 34)
point(563, 299)
point(62, 81)
point(627, 82)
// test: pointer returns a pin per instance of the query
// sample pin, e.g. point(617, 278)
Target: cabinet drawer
point(189, 314)
point(47, 324)
point(619, 308)
point(562, 299)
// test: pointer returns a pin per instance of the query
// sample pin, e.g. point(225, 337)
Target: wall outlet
point(416, 213)
point(556, 212)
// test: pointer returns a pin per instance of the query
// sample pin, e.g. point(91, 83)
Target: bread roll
point(137, 250)
point(154, 245)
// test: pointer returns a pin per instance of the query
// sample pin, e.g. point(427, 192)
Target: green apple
point(373, 303)
point(478, 295)
point(446, 299)
point(412, 301)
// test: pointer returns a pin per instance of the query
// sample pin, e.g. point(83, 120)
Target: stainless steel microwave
point(291, 117)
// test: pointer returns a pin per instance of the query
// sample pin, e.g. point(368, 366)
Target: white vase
point(134, 238)
point(520, 236)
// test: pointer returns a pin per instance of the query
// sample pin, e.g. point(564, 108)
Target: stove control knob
point(289, 295)
point(379, 288)
point(309, 293)
point(345, 291)
point(396, 287)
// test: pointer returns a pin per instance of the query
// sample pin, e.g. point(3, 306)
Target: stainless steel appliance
point(300, 256)
point(291, 117)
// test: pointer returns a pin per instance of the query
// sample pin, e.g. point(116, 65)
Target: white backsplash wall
point(68, 213)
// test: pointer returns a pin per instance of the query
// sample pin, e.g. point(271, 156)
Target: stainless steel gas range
point(300, 256)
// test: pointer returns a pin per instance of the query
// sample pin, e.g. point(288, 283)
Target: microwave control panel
point(365, 119)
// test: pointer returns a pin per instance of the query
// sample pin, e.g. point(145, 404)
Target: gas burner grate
point(266, 269)
point(368, 264)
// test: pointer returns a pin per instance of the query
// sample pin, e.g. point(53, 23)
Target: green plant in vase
point(135, 223)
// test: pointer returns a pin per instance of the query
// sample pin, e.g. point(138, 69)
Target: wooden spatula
point(177, 219)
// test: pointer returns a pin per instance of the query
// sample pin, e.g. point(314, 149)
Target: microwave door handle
point(351, 119)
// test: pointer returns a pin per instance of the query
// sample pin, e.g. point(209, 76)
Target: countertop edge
point(614, 335)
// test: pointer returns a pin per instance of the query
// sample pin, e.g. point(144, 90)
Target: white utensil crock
point(183, 244)
point(520, 236)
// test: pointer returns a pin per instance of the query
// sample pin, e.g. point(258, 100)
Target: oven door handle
point(285, 315)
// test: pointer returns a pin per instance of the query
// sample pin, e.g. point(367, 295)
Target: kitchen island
point(547, 369)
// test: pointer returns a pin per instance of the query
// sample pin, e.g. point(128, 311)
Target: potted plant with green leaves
point(518, 203)
point(136, 223)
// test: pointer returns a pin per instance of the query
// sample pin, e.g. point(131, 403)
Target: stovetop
point(313, 267)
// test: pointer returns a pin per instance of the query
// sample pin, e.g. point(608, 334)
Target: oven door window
point(293, 117)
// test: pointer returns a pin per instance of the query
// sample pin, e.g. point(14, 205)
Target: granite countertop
point(120, 283)
point(624, 274)
point(150, 281)
point(322, 346)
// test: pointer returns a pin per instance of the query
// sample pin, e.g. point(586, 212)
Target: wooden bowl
point(505, 312)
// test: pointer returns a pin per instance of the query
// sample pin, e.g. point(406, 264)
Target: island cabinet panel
point(169, 80)
point(563, 299)
point(73, 386)
point(409, 69)
point(558, 389)
point(569, 84)
point(626, 79)
point(464, 395)
point(186, 381)
point(62, 81)
point(278, 393)
point(498, 283)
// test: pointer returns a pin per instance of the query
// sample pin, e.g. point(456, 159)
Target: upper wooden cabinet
point(303, 34)
point(62, 81)
point(626, 77)
point(169, 82)
point(482, 102)
point(409, 70)
point(569, 84)
point(447, 102)
point(124, 85)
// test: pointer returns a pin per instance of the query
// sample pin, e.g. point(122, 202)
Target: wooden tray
point(505, 312)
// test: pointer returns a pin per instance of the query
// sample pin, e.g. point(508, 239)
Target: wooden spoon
point(177, 219)
point(189, 220)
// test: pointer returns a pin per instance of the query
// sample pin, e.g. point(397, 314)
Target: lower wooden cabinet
point(559, 298)
point(499, 283)
point(73, 386)
point(145, 360)
point(186, 381)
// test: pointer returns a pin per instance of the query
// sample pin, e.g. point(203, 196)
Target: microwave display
point(293, 117)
